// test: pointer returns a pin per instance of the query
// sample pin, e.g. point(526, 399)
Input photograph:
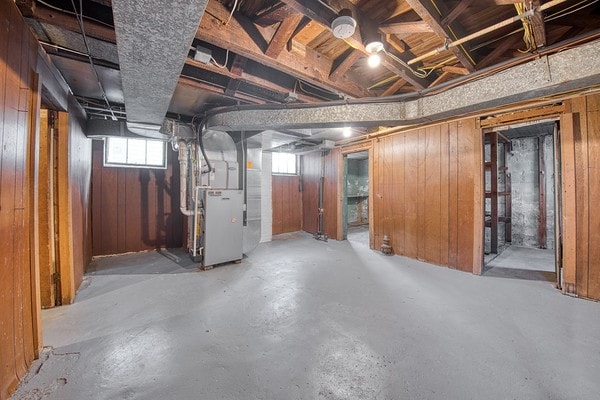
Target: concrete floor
point(522, 263)
point(359, 234)
point(306, 319)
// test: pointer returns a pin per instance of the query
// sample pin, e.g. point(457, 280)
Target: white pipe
point(183, 167)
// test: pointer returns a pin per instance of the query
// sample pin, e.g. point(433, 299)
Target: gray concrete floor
point(522, 263)
point(359, 234)
point(306, 319)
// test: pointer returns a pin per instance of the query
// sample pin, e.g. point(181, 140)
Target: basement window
point(137, 153)
point(284, 163)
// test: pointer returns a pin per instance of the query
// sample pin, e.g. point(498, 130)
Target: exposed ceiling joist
point(431, 13)
point(324, 15)
point(456, 11)
point(394, 87)
point(244, 76)
point(507, 44)
point(404, 28)
point(282, 35)
point(345, 64)
point(309, 66)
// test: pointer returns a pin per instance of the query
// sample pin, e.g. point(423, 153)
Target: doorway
point(355, 208)
point(521, 200)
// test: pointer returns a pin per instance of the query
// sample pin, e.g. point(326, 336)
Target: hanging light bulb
point(347, 132)
point(374, 60)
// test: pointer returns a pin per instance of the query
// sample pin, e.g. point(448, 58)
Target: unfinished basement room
point(299, 199)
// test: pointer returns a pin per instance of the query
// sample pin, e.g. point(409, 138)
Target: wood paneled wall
point(18, 336)
point(79, 149)
point(134, 209)
point(580, 155)
point(314, 165)
point(287, 204)
point(428, 194)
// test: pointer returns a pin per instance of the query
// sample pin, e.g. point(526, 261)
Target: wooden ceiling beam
point(282, 35)
point(441, 78)
point(217, 90)
point(273, 15)
point(314, 10)
point(309, 66)
point(455, 70)
point(456, 11)
point(432, 13)
point(403, 28)
point(394, 87)
point(346, 62)
point(243, 76)
point(507, 44)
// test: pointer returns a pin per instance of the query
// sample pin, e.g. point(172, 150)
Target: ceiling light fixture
point(343, 26)
point(347, 132)
point(373, 48)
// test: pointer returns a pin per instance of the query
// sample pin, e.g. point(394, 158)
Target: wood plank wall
point(80, 177)
point(134, 209)
point(312, 165)
point(18, 57)
point(428, 194)
point(286, 203)
point(580, 143)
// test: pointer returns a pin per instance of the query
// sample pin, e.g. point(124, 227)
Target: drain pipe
point(183, 170)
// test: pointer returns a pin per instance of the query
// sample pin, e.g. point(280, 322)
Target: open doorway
point(355, 211)
point(521, 198)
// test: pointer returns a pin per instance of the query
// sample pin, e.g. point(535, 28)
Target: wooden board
point(286, 201)
point(569, 208)
point(18, 319)
point(134, 209)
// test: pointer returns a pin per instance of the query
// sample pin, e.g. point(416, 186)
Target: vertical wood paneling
point(311, 172)
point(593, 269)
point(453, 194)
point(17, 316)
point(432, 195)
point(134, 209)
point(426, 184)
point(569, 209)
point(411, 154)
point(286, 201)
point(330, 197)
point(580, 134)
point(444, 190)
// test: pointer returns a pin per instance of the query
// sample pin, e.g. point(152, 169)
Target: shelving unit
point(492, 219)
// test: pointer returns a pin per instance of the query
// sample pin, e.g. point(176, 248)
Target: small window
point(129, 152)
point(284, 163)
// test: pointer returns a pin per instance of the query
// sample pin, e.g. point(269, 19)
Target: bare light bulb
point(374, 60)
point(347, 132)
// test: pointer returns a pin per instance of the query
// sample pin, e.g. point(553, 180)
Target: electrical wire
point(528, 37)
point(563, 13)
point(235, 4)
point(89, 55)
point(224, 65)
point(199, 135)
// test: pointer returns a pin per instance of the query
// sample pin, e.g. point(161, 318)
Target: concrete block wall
point(358, 185)
point(523, 166)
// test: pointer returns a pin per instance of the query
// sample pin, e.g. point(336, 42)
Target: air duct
point(152, 48)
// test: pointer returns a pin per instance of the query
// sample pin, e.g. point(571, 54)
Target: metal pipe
point(485, 31)
point(183, 169)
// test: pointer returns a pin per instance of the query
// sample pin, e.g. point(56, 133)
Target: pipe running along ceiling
point(152, 48)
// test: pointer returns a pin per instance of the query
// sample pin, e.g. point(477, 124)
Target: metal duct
point(569, 70)
point(101, 128)
point(153, 40)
